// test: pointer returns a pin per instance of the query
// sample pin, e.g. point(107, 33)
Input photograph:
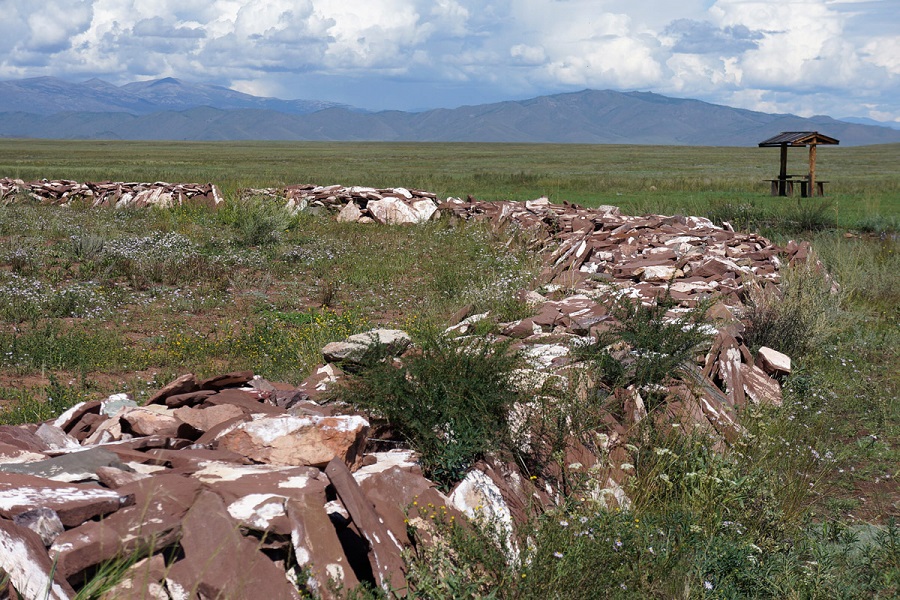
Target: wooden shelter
point(784, 184)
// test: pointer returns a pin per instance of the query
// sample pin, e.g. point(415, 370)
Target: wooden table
point(788, 186)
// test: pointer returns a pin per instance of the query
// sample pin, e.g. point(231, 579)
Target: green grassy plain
point(863, 180)
point(95, 302)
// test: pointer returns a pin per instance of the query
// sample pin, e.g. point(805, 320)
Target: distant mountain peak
point(170, 108)
point(165, 81)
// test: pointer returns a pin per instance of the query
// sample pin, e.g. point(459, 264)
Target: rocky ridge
point(234, 483)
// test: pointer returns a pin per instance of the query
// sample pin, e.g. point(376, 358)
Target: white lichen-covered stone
point(478, 497)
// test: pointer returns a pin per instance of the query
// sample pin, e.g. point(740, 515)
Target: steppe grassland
point(93, 302)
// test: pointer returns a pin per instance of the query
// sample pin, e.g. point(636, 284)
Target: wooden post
point(782, 175)
point(812, 170)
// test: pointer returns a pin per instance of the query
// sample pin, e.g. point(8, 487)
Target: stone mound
point(234, 483)
point(63, 192)
point(356, 204)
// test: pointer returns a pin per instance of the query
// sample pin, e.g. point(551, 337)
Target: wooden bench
point(789, 186)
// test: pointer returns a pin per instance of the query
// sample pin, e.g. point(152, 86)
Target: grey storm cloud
point(703, 37)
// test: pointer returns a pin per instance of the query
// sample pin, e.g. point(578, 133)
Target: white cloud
point(884, 52)
point(810, 56)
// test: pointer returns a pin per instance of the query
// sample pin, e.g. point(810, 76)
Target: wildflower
point(558, 554)
point(707, 585)
point(564, 523)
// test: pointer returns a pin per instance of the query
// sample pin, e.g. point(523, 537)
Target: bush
point(654, 347)
point(257, 221)
point(800, 319)
point(809, 215)
point(450, 400)
point(743, 216)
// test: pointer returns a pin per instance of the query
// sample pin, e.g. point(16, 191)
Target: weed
point(798, 320)
point(36, 405)
point(644, 347)
point(450, 400)
point(743, 216)
point(87, 247)
point(810, 215)
point(257, 222)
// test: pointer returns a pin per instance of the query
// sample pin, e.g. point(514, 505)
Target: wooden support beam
point(812, 170)
point(782, 174)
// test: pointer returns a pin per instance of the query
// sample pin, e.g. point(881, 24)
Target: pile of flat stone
point(235, 487)
point(63, 192)
point(596, 257)
point(356, 204)
point(227, 487)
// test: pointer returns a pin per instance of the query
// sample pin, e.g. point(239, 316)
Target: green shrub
point(644, 348)
point(800, 319)
point(257, 221)
point(51, 346)
point(879, 224)
point(809, 215)
point(450, 400)
point(742, 215)
point(40, 404)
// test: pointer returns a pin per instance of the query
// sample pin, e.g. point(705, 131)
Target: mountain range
point(170, 109)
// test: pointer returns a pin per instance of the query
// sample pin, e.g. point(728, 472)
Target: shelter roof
point(798, 138)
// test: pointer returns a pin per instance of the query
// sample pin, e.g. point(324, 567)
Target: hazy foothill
point(443, 370)
point(171, 109)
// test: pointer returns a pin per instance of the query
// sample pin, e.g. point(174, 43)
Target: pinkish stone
point(221, 563)
point(25, 561)
point(73, 503)
point(300, 441)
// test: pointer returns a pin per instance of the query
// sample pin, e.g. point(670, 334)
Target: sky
point(807, 57)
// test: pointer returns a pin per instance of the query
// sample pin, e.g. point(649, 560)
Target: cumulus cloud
point(690, 36)
point(158, 27)
point(807, 56)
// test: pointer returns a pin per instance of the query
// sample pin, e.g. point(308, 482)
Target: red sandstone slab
point(183, 385)
point(244, 400)
point(23, 438)
point(221, 563)
point(227, 380)
point(387, 563)
point(25, 561)
point(73, 503)
point(153, 522)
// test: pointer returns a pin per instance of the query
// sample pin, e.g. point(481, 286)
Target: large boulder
point(298, 441)
point(355, 347)
point(393, 211)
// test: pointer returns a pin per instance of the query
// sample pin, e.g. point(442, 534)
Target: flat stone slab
point(152, 523)
point(26, 562)
point(393, 341)
point(70, 468)
point(182, 385)
point(74, 503)
point(773, 362)
point(299, 441)
point(256, 495)
point(221, 563)
point(317, 546)
point(385, 549)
